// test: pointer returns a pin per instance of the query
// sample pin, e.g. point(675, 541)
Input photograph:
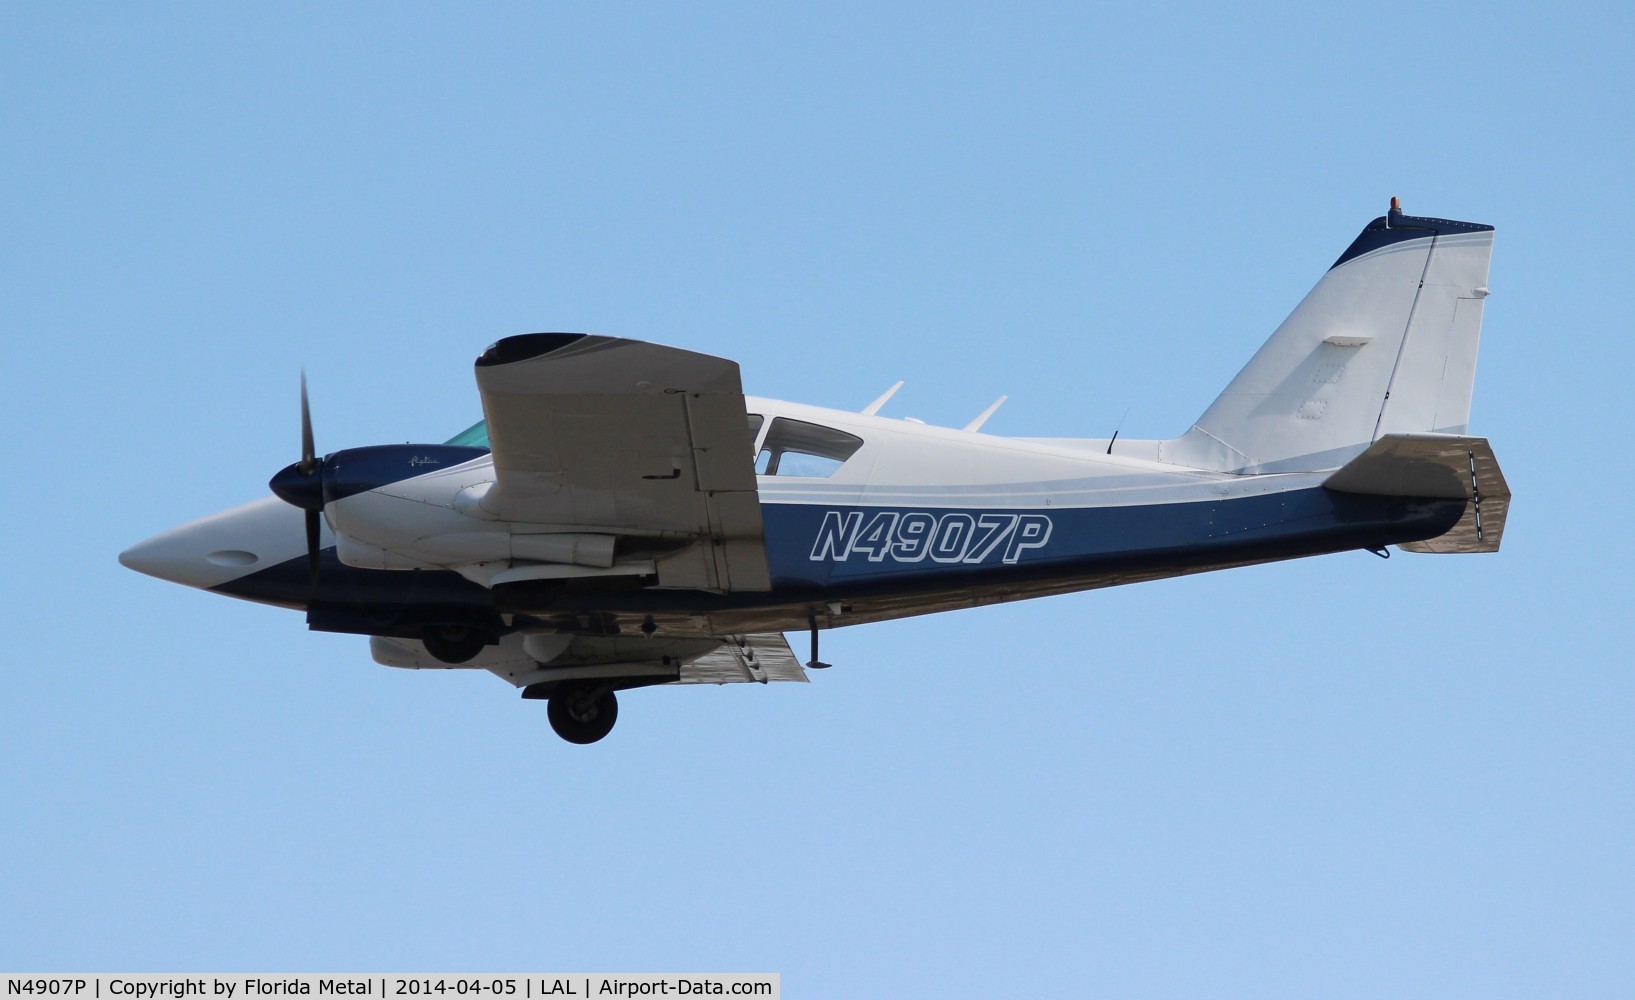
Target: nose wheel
point(582, 713)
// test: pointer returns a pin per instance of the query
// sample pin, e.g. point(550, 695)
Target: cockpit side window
point(755, 422)
point(797, 448)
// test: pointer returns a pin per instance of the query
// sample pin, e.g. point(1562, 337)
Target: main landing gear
point(454, 643)
point(582, 713)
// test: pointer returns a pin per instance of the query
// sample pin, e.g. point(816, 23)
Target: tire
point(453, 643)
point(578, 722)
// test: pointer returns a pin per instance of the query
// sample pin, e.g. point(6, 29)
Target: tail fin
point(1385, 343)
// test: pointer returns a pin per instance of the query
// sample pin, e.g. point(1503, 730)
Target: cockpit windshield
point(475, 436)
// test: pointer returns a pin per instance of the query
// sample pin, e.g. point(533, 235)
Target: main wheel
point(579, 718)
point(453, 643)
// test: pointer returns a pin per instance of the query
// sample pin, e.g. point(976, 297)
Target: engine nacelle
point(399, 507)
point(381, 500)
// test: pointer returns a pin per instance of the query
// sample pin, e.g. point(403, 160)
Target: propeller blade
point(312, 546)
point(309, 456)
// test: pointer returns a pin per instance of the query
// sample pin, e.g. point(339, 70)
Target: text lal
point(614, 987)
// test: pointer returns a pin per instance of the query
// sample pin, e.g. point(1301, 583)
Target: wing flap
point(761, 658)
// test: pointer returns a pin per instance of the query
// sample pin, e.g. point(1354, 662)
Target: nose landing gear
point(582, 713)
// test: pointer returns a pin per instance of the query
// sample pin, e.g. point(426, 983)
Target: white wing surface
point(647, 443)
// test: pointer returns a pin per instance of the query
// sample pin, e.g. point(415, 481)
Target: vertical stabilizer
point(1385, 343)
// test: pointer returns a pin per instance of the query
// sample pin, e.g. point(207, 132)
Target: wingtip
point(525, 346)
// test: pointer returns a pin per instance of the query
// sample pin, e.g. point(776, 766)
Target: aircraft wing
point(644, 442)
point(757, 658)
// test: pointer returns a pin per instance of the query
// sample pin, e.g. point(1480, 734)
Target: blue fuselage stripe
point(826, 547)
point(820, 551)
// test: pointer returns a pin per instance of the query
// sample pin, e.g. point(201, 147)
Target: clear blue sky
point(1339, 777)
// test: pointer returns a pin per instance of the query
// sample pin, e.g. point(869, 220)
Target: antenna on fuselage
point(982, 418)
point(1116, 430)
point(874, 407)
point(811, 622)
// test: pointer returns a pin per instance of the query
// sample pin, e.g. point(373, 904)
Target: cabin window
point(797, 448)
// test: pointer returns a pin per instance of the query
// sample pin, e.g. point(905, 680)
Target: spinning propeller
point(302, 484)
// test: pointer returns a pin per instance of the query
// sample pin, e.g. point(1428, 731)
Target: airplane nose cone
point(221, 548)
point(145, 557)
point(187, 557)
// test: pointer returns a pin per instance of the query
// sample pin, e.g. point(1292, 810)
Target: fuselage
point(865, 518)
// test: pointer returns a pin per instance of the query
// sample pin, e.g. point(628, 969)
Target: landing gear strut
point(582, 713)
point(453, 643)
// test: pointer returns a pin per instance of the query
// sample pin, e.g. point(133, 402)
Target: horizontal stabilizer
point(1446, 466)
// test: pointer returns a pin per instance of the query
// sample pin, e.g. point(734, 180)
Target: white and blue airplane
point(624, 516)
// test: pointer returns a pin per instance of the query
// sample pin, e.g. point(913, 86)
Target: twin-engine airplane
point(624, 516)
